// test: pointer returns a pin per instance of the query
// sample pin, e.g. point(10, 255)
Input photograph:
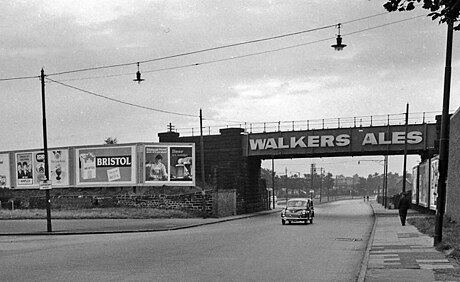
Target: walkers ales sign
point(343, 141)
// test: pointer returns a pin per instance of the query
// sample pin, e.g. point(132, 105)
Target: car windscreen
point(296, 204)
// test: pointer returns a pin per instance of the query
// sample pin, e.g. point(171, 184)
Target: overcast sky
point(391, 59)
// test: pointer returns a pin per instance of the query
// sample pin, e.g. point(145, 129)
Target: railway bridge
point(232, 158)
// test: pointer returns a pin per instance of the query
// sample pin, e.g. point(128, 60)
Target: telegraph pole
point(405, 150)
point(45, 151)
point(444, 140)
point(312, 176)
point(273, 182)
point(203, 192)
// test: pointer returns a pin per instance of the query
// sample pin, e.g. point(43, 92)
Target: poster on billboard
point(5, 171)
point(181, 166)
point(105, 166)
point(24, 171)
point(58, 162)
point(171, 165)
point(424, 179)
point(30, 168)
point(156, 161)
point(414, 197)
point(434, 177)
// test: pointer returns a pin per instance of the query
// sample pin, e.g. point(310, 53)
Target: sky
point(89, 52)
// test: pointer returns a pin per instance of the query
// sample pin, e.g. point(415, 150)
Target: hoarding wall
point(117, 165)
point(5, 178)
point(424, 183)
point(453, 177)
point(434, 177)
point(415, 184)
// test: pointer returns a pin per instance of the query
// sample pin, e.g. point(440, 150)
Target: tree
point(111, 140)
point(439, 9)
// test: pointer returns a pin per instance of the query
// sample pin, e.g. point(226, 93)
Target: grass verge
point(450, 243)
point(96, 213)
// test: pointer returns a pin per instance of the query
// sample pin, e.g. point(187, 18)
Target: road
point(252, 249)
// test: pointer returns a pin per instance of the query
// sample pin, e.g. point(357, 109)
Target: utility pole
point(273, 182)
point(45, 151)
point(285, 184)
point(312, 176)
point(444, 140)
point(385, 182)
point(203, 192)
point(320, 184)
point(405, 150)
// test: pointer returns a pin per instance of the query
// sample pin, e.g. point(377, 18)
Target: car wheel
point(283, 222)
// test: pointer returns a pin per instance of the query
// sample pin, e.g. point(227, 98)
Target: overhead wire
point(207, 50)
point(19, 78)
point(216, 61)
point(194, 52)
point(247, 55)
point(120, 101)
point(131, 104)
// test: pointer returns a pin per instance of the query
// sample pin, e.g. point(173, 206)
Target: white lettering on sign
point(413, 137)
point(113, 161)
point(342, 140)
point(312, 141)
point(298, 143)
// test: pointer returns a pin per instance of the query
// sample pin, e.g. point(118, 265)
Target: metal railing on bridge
point(330, 123)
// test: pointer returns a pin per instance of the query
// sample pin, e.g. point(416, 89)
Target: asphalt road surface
point(252, 249)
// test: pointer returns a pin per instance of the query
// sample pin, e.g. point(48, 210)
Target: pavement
point(402, 253)
point(393, 253)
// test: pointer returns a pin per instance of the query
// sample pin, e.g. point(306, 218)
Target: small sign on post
point(45, 185)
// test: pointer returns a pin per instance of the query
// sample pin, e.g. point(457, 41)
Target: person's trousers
point(402, 216)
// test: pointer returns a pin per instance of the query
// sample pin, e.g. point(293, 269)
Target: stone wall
point(224, 203)
point(453, 177)
point(190, 202)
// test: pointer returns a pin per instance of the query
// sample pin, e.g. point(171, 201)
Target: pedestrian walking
point(404, 205)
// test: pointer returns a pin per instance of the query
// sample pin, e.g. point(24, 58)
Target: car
point(298, 210)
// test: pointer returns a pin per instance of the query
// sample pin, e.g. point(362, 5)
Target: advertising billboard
point(5, 181)
point(171, 165)
point(414, 198)
point(434, 177)
point(30, 168)
point(341, 141)
point(424, 181)
point(105, 166)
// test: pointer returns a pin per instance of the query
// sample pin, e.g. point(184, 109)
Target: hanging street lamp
point(339, 46)
point(138, 75)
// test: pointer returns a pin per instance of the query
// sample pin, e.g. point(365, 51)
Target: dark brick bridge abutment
point(226, 166)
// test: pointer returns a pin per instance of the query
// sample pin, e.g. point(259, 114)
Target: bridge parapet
point(316, 124)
